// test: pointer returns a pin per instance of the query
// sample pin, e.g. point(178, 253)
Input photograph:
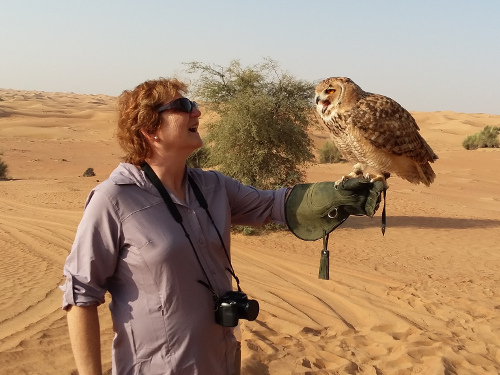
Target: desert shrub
point(252, 231)
point(329, 153)
point(89, 172)
point(486, 138)
point(199, 158)
point(245, 230)
point(3, 169)
point(260, 134)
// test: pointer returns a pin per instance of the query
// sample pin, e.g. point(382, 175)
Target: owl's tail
point(426, 174)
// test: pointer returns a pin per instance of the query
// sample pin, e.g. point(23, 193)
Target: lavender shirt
point(128, 244)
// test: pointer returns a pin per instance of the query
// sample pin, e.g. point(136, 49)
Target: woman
point(129, 244)
point(146, 238)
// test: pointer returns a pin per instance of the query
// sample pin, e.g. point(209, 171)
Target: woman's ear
point(150, 137)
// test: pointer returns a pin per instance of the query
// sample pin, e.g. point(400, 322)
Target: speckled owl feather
point(372, 130)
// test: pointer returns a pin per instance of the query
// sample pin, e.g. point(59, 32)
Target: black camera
point(233, 306)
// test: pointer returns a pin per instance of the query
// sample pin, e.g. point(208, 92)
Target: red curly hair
point(137, 113)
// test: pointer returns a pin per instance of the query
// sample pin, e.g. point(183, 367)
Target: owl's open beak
point(326, 104)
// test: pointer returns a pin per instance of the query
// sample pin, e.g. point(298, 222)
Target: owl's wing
point(390, 127)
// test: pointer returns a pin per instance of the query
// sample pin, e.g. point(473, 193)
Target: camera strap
point(203, 203)
point(151, 175)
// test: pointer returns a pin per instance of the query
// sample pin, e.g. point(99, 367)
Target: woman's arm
point(83, 325)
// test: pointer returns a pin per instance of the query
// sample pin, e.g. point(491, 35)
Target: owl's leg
point(357, 172)
point(378, 177)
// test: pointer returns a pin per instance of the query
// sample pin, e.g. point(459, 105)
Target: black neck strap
point(151, 175)
point(204, 205)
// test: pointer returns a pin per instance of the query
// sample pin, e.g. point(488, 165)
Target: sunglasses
point(181, 104)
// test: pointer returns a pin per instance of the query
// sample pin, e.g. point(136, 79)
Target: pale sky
point(429, 55)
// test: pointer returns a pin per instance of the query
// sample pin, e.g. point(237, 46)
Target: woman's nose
point(195, 113)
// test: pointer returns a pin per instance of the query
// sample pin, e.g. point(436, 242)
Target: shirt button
point(190, 211)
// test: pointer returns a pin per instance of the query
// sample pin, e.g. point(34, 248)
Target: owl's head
point(336, 94)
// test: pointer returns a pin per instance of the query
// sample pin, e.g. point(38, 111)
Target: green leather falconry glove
point(313, 209)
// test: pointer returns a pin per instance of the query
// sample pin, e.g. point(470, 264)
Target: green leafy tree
point(199, 158)
point(488, 137)
point(329, 153)
point(260, 135)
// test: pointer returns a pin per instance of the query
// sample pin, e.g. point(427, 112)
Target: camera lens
point(249, 309)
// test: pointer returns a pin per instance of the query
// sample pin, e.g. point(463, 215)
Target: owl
point(372, 130)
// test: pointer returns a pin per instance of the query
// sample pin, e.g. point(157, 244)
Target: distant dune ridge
point(423, 299)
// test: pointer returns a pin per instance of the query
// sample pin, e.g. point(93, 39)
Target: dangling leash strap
point(384, 218)
point(324, 264)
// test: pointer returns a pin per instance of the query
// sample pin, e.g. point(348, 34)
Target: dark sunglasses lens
point(185, 105)
point(182, 104)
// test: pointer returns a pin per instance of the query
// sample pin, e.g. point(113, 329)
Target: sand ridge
point(423, 299)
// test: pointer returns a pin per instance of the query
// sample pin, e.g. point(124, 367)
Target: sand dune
point(423, 299)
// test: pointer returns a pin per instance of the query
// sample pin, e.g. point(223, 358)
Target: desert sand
point(423, 299)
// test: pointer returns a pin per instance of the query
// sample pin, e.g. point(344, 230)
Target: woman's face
point(178, 130)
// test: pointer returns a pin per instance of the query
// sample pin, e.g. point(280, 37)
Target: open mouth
point(326, 103)
point(194, 129)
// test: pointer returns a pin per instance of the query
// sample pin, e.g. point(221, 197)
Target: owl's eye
point(330, 91)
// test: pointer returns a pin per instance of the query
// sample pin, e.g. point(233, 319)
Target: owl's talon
point(382, 179)
point(340, 183)
point(367, 177)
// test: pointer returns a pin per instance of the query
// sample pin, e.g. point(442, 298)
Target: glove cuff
point(312, 209)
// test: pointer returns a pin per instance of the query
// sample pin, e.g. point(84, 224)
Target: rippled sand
point(423, 299)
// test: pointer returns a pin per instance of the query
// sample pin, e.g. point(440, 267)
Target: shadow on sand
point(420, 222)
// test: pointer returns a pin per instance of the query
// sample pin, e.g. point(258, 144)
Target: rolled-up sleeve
point(94, 253)
point(254, 207)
